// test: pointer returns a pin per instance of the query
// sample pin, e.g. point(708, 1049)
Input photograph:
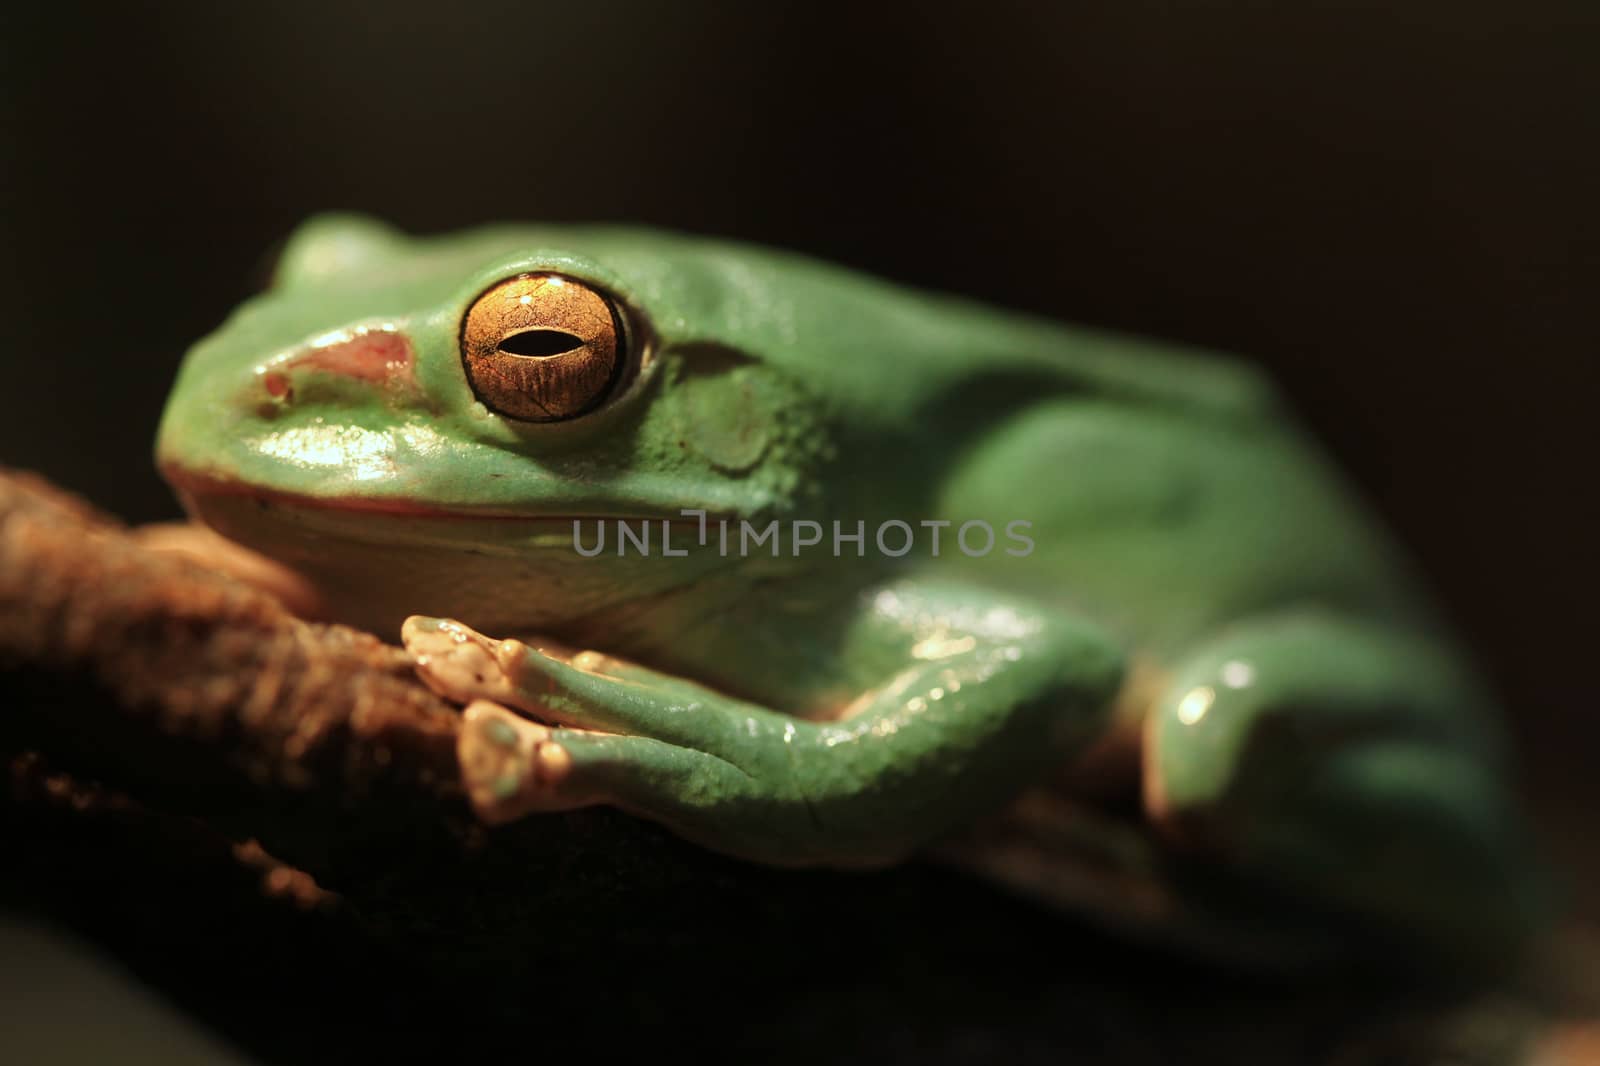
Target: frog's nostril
point(378, 356)
point(381, 358)
point(540, 343)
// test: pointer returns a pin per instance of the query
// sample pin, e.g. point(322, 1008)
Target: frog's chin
point(373, 563)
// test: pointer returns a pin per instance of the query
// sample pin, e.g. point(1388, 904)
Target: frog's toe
point(461, 664)
point(510, 766)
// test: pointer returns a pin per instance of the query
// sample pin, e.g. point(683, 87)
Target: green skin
point(1306, 723)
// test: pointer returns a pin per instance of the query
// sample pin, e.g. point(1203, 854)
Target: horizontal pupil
point(540, 342)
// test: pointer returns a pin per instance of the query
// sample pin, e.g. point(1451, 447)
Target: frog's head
point(419, 421)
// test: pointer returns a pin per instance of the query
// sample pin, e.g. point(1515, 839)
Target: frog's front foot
point(609, 732)
point(510, 766)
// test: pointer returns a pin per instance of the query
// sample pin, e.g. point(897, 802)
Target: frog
point(814, 569)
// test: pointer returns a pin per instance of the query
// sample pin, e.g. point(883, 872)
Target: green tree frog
point(813, 569)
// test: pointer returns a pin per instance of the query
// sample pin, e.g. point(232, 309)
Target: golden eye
point(542, 347)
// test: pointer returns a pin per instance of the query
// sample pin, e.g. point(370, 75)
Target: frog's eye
point(543, 347)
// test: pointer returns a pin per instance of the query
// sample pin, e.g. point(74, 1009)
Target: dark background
point(1390, 206)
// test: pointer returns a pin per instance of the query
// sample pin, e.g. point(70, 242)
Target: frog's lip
point(191, 484)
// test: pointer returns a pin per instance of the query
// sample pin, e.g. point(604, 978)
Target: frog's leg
point(1347, 763)
point(974, 700)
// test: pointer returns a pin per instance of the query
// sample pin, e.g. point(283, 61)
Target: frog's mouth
point(193, 488)
point(196, 489)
